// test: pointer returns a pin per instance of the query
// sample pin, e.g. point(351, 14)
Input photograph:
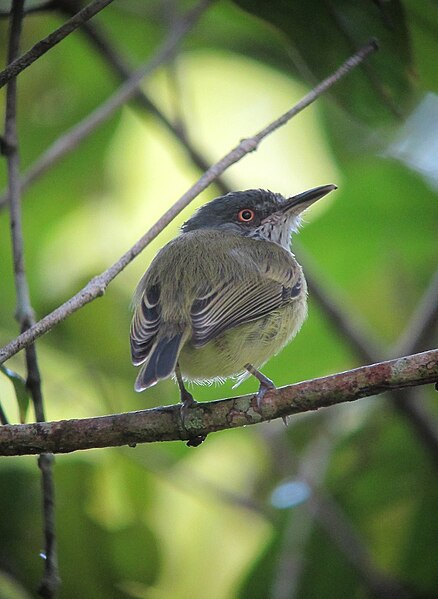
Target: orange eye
point(246, 215)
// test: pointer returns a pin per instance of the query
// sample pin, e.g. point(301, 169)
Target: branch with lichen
point(165, 423)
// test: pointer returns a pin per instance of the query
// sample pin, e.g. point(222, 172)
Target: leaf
point(321, 35)
point(21, 391)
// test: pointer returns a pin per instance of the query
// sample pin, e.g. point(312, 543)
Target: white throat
point(278, 229)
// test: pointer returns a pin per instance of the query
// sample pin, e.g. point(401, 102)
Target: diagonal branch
point(72, 138)
point(96, 287)
point(120, 67)
point(18, 65)
point(165, 424)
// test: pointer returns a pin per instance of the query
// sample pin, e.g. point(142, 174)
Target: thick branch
point(96, 287)
point(164, 424)
point(44, 45)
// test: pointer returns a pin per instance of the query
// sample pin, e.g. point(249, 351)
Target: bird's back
point(210, 285)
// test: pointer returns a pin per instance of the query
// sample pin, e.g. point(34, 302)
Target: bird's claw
point(265, 383)
point(187, 403)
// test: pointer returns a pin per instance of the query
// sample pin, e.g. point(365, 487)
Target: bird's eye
point(246, 215)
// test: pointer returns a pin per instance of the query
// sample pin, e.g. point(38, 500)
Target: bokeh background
point(342, 503)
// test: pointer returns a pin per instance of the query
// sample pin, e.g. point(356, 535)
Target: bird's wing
point(233, 303)
point(145, 324)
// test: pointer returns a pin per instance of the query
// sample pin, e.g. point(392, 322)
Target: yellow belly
point(254, 343)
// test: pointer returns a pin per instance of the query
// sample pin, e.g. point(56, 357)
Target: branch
point(24, 313)
point(72, 138)
point(119, 66)
point(19, 64)
point(164, 423)
point(97, 286)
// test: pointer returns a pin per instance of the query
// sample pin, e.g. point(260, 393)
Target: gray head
point(256, 213)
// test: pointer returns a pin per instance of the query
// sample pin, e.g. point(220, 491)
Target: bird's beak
point(296, 204)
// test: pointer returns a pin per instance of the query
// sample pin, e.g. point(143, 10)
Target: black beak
point(297, 204)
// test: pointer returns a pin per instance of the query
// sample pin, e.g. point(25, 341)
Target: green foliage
point(21, 391)
point(166, 521)
point(321, 35)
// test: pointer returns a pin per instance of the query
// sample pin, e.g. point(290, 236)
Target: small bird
point(225, 295)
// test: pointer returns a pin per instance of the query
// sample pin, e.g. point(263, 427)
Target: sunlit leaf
point(321, 35)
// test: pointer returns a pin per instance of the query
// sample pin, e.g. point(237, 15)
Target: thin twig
point(24, 310)
point(72, 138)
point(96, 287)
point(19, 64)
point(24, 313)
point(165, 424)
point(119, 66)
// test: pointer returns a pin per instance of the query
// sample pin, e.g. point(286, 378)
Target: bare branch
point(24, 313)
point(118, 64)
point(72, 138)
point(164, 423)
point(13, 168)
point(19, 64)
point(96, 287)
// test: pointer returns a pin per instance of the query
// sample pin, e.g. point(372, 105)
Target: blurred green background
point(342, 503)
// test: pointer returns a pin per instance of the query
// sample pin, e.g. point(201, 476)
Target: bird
point(225, 295)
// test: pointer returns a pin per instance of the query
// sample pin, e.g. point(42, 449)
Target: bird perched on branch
point(225, 295)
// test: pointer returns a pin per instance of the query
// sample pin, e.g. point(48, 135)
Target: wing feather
point(233, 304)
point(145, 325)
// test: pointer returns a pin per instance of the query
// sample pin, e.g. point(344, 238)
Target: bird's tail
point(161, 362)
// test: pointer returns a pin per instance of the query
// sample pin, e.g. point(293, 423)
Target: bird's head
point(256, 213)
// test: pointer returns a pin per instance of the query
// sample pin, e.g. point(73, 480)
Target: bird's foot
point(187, 403)
point(265, 383)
